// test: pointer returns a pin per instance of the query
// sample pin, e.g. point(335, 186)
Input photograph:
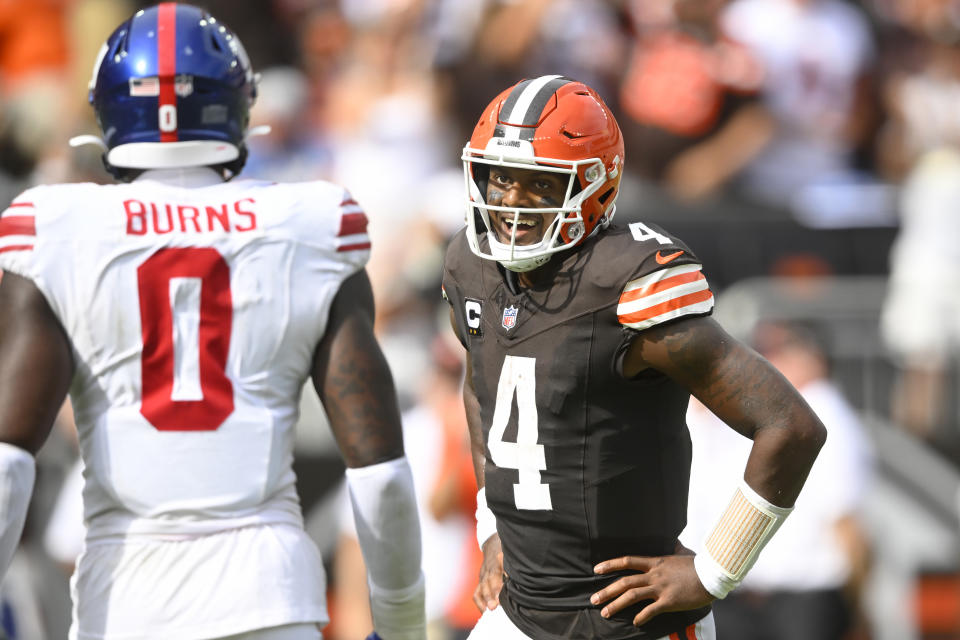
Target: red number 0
point(157, 325)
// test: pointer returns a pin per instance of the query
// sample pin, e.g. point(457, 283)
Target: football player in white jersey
point(183, 312)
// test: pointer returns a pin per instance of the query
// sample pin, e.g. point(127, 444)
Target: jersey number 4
point(186, 315)
point(517, 377)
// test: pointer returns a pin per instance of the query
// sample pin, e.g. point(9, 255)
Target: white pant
point(286, 632)
point(495, 625)
point(211, 586)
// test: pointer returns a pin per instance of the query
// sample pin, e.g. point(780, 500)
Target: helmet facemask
point(563, 232)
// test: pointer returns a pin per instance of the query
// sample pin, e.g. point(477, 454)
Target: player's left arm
point(354, 383)
point(486, 595)
point(752, 397)
point(36, 366)
point(353, 380)
point(743, 390)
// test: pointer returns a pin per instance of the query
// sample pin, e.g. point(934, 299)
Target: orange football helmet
point(555, 124)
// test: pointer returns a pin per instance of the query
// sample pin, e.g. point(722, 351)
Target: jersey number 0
point(186, 316)
point(526, 456)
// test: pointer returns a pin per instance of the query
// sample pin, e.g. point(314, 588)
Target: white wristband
point(486, 521)
point(388, 529)
point(17, 473)
point(399, 614)
point(733, 545)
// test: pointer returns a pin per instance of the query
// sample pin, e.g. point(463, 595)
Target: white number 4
point(524, 455)
point(642, 232)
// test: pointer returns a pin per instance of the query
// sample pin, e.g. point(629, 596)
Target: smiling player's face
point(527, 189)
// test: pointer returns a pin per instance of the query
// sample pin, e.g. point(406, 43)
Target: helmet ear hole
point(603, 197)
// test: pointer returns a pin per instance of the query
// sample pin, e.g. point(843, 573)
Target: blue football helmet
point(172, 87)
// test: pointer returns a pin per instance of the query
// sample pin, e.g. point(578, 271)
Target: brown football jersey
point(582, 464)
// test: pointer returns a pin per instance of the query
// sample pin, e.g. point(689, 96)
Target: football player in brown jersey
point(584, 341)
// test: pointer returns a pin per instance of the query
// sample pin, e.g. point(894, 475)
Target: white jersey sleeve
point(194, 314)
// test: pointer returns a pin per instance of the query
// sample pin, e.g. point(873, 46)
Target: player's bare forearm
point(746, 392)
point(472, 407)
point(36, 364)
point(353, 380)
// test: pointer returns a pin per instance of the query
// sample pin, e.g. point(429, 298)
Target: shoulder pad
point(326, 217)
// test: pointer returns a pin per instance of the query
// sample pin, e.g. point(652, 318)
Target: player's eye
point(547, 187)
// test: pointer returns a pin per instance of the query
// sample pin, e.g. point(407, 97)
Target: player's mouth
point(529, 228)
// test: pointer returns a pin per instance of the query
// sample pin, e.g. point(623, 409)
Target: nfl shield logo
point(509, 317)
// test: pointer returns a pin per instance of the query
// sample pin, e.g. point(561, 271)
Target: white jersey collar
point(182, 177)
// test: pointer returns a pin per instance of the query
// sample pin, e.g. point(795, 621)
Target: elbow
point(810, 437)
point(820, 434)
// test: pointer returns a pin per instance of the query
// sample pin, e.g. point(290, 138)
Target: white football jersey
point(193, 310)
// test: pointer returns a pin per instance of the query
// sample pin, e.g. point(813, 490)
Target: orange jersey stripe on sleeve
point(661, 285)
point(663, 295)
point(699, 302)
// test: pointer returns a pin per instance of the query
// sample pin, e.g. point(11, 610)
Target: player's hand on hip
point(669, 581)
point(487, 593)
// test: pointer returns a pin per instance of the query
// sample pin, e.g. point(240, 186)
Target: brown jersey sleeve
point(451, 288)
point(666, 280)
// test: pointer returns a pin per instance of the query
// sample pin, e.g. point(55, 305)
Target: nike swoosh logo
point(662, 259)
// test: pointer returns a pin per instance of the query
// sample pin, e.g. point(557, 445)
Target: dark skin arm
point(487, 593)
point(752, 397)
point(353, 380)
point(36, 364)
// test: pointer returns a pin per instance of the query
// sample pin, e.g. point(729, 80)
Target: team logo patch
point(472, 311)
point(509, 319)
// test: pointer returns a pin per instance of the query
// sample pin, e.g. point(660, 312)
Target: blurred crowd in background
point(808, 151)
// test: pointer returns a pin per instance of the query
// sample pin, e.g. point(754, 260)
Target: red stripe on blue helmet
point(167, 70)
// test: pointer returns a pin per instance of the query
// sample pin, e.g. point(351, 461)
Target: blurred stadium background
point(808, 151)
